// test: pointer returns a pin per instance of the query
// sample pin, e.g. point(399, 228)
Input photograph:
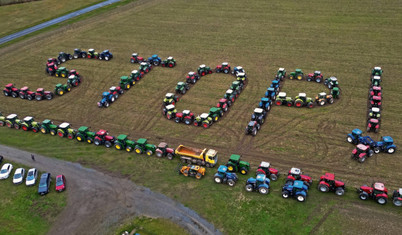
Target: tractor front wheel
point(349, 139)
point(97, 142)
point(17, 126)
point(377, 150)
point(70, 136)
point(298, 103)
point(149, 152)
point(80, 138)
point(231, 182)
point(231, 168)
point(53, 132)
point(273, 177)
point(243, 171)
point(198, 176)
point(118, 146)
point(249, 188)
point(397, 202)
point(363, 196)
point(138, 150)
point(25, 128)
point(90, 140)
point(169, 156)
point(285, 194)
point(108, 144)
point(323, 188)
point(340, 191)
point(362, 159)
point(218, 179)
point(129, 149)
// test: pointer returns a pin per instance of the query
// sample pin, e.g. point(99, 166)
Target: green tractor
point(30, 124)
point(335, 92)
point(282, 99)
point(62, 72)
point(60, 89)
point(83, 134)
point(281, 74)
point(236, 165)
point(142, 146)
point(237, 86)
point(204, 119)
point(376, 81)
point(73, 80)
point(296, 74)
point(2, 120)
point(215, 113)
point(169, 62)
point(303, 101)
point(135, 76)
point(377, 71)
point(48, 127)
point(204, 70)
point(182, 88)
point(12, 121)
point(126, 82)
point(123, 142)
point(65, 129)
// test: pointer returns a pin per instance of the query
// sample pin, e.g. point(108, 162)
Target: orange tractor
point(192, 170)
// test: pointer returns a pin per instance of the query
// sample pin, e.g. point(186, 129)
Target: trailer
point(202, 157)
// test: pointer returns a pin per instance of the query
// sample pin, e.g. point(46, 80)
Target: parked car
point(60, 183)
point(19, 175)
point(31, 177)
point(5, 171)
point(44, 184)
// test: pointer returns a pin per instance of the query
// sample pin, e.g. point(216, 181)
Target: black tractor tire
point(188, 121)
point(53, 132)
point(138, 150)
point(97, 142)
point(177, 120)
point(339, 191)
point(370, 153)
point(14, 94)
point(90, 140)
point(159, 154)
point(231, 182)
point(22, 96)
point(5, 93)
point(169, 156)
point(129, 149)
point(249, 188)
point(362, 159)
point(263, 190)
point(391, 150)
point(382, 200)
point(38, 97)
point(254, 132)
point(118, 146)
point(301, 198)
point(397, 202)
point(16, 126)
point(298, 104)
point(49, 96)
point(243, 171)
point(70, 136)
point(377, 150)
point(323, 188)
point(30, 97)
point(273, 177)
point(218, 179)
point(363, 196)
point(108, 144)
point(285, 194)
point(80, 138)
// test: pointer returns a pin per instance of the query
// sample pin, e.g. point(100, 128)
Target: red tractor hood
point(366, 189)
point(339, 183)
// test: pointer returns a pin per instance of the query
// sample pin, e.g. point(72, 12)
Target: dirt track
point(100, 201)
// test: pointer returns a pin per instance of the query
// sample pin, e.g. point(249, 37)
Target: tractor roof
point(10, 85)
point(122, 137)
point(134, 71)
point(40, 89)
point(235, 157)
point(105, 93)
point(223, 100)
point(162, 145)
point(387, 139)
point(112, 88)
point(298, 184)
point(154, 56)
point(169, 95)
point(377, 88)
point(302, 95)
point(251, 123)
point(334, 79)
point(202, 66)
point(241, 74)
point(77, 49)
point(298, 70)
point(258, 110)
point(239, 68)
point(124, 78)
point(265, 164)
point(204, 115)
point(28, 119)
point(211, 152)
point(105, 51)
point(377, 68)
point(62, 68)
point(295, 171)
point(362, 147)
point(170, 107)
point(373, 120)
point(317, 72)
point(222, 169)
point(260, 177)
point(101, 132)
point(83, 128)
point(91, 49)
point(264, 99)
point(134, 54)
point(229, 91)
point(271, 89)
point(143, 63)
point(376, 77)
point(195, 168)
point(329, 176)
point(180, 83)
point(59, 85)
point(225, 64)
point(379, 186)
point(377, 98)
point(191, 73)
point(335, 88)
point(214, 110)
point(236, 83)
point(12, 116)
point(400, 191)
point(282, 94)
point(170, 58)
point(323, 94)
point(357, 131)
point(186, 112)
point(281, 69)
point(64, 125)
point(375, 109)
point(142, 141)
point(72, 76)
point(47, 121)
point(62, 52)
point(275, 81)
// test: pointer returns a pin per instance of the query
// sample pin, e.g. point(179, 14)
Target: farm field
point(23, 211)
point(344, 39)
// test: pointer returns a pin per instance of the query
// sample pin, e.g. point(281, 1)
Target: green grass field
point(23, 211)
point(20, 16)
point(341, 38)
point(149, 226)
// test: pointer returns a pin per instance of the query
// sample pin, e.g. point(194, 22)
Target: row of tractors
point(296, 183)
point(126, 82)
point(205, 119)
point(374, 101)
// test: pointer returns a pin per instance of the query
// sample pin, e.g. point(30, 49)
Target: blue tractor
point(295, 189)
point(275, 84)
point(107, 99)
point(386, 145)
point(265, 104)
point(260, 184)
point(223, 176)
point(155, 60)
point(105, 55)
point(270, 93)
point(354, 136)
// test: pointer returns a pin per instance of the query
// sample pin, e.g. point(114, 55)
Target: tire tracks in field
point(97, 202)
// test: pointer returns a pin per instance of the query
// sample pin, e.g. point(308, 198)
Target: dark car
point(44, 184)
point(1, 159)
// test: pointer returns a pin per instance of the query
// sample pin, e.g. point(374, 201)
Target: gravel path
point(97, 202)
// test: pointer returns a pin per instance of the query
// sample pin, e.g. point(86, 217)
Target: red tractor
point(297, 174)
point(361, 152)
point(375, 91)
point(224, 67)
point(42, 94)
point(397, 197)
point(164, 151)
point(375, 101)
point(373, 125)
point(116, 91)
point(268, 171)
point(224, 104)
point(51, 66)
point(186, 116)
point(377, 192)
point(192, 77)
point(328, 183)
point(136, 59)
point(25, 93)
point(102, 137)
point(10, 90)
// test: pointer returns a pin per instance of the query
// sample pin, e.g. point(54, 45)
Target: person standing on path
point(33, 157)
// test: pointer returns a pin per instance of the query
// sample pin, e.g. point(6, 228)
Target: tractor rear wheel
point(231, 182)
point(321, 102)
point(377, 150)
point(198, 176)
point(263, 190)
point(323, 188)
point(301, 198)
point(298, 103)
point(363, 196)
point(97, 142)
point(273, 177)
point(149, 152)
point(108, 144)
point(169, 156)
point(243, 171)
point(249, 188)
point(285, 194)
point(382, 200)
point(53, 132)
point(397, 202)
point(340, 191)
point(177, 120)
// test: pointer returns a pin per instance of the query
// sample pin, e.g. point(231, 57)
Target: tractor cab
point(122, 138)
point(261, 179)
point(295, 172)
point(282, 95)
point(215, 113)
point(180, 85)
point(202, 66)
point(387, 141)
point(170, 109)
point(375, 113)
point(252, 128)
point(275, 84)
point(91, 51)
point(135, 75)
point(102, 133)
point(376, 81)
point(333, 81)
point(265, 103)
point(105, 94)
point(222, 169)
point(74, 72)
point(270, 93)
point(24, 89)
point(377, 71)
point(322, 95)
point(298, 71)
point(12, 117)
point(317, 73)
point(238, 69)
point(28, 120)
point(299, 186)
point(281, 72)
point(134, 55)
point(236, 85)
point(40, 91)
point(105, 52)
point(335, 92)
point(64, 125)
point(225, 64)
point(373, 124)
point(163, 146)
point(170, 58)
point(230, 95)
point(361, 148)
point(376, 101)
point(113, 90)
point(77, 51)
point(303, 97)
point(186, 112)
point(49, 61)
point(379, 188)
point(204, 116)
point(354, 136)
point(265, 166)
point(191, 74)
point(258, 115)
point(259, 112)
point(329, 178)
point(170, 98)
